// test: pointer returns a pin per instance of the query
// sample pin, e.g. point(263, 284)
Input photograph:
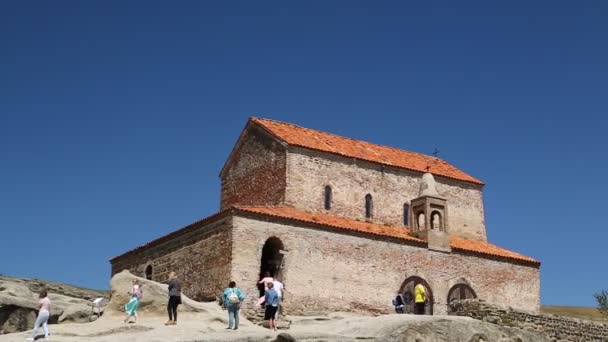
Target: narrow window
point(421, 221)
point(436, 221)
point(327, 197)
point(406, 214)
point(369, 206)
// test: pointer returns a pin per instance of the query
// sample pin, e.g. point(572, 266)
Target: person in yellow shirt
point(419, 299)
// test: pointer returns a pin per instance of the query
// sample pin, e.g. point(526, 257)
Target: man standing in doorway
point(419, 298)
point(279, 288)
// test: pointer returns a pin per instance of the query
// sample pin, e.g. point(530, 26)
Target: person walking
point(271, 299)
point(233, 298)
point(419, 298)
point(175, 298)
point(44, 312)
point(264, 281)
point(280, 289)
point(136, 295)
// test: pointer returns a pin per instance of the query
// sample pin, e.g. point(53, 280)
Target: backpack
point(233, 298)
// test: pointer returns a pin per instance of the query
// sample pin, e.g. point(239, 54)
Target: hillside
point(575, 312)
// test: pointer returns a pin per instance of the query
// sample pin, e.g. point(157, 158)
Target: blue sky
point(116, 117)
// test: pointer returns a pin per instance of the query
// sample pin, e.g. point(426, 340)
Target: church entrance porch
point(407, 291)
point(272, 261)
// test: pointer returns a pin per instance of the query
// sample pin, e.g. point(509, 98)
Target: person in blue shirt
point(272, 305)
point(232, 299)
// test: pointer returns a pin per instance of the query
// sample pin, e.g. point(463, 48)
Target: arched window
point(420, 221)
point(369, 206)
point(327, 197)
point(460, 292)
point(436, 221)
point(406, 214)
point(149, 272)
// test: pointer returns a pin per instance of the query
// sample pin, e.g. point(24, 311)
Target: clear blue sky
point(116, 116)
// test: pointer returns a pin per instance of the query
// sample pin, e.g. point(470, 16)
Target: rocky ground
point(339, 327)
point(207, 322)
point(19, 303)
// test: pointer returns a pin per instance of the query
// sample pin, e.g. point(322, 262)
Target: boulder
point(19, 303)
point(15, 319)
point(155, 296)
point(283, 337)
point(444, 329)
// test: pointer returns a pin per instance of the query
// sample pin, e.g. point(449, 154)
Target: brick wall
point(330, 270)
point(308, 172)
point(556, 328)
point(201, 258)
point(255, 175)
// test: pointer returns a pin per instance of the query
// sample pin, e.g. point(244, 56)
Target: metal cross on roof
point(428, 165)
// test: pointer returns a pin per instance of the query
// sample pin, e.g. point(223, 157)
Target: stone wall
point(308, 172)
point(255, 172)
point(556, 328)
point(327, 270)
point(200, 255)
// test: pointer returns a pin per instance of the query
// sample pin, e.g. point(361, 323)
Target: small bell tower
point(430, 215)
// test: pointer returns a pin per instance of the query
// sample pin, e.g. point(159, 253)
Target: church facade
point(345, 224)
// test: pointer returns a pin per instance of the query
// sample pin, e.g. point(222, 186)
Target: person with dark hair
point(399, 304)
point(272, 305)
point(232, 298)
point(175, 298)
point(44, 312)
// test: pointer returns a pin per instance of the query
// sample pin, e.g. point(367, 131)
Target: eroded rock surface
point(19, 303)
point(207, 322)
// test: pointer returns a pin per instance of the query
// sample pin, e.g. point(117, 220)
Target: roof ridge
point(348, 138)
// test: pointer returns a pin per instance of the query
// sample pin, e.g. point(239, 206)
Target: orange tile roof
point(461, 244)
point(457, 243)
point(290, 213)
point(319, 219)
point(326, 142)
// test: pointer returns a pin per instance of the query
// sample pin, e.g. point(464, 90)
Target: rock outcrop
point(19, 303)
point(154, 299)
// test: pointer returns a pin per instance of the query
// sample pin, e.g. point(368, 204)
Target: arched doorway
point(407, 291)
point(272, 260)
point(149, 272)
point(461, 291)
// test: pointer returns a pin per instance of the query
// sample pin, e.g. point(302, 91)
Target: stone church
point(345, 224)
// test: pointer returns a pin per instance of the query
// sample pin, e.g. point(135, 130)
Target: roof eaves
point(261, 125)
point(473, 181)
point(525, 261)
point(174, 234)
point(321, 224)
